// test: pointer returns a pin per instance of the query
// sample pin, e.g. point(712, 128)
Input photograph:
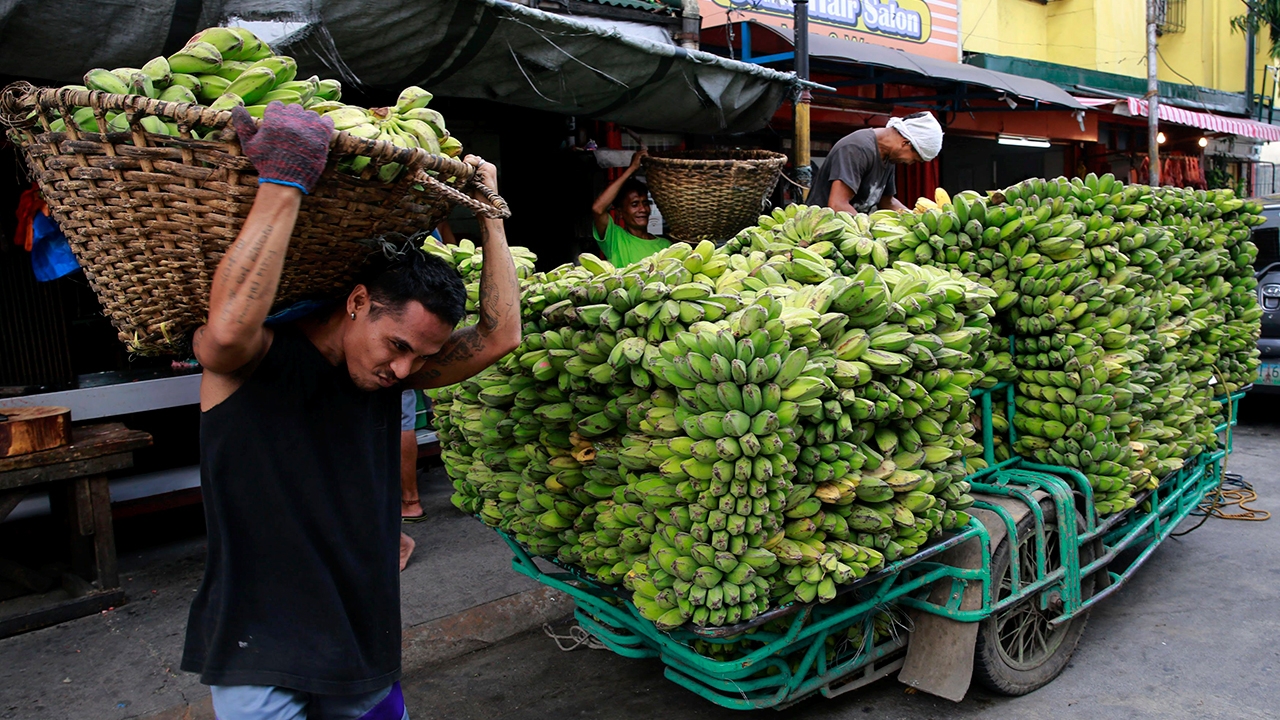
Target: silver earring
point(353, 316)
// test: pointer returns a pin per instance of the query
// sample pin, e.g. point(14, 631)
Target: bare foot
point(406, 549)
point(411, 509)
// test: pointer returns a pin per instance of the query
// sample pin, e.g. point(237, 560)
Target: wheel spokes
point(1026, 639)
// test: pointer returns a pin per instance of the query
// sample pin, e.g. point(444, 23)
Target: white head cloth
point(922, 131)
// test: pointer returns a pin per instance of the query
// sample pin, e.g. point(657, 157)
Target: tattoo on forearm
point(463, 345)
point(242, 261)
point(260, 278)
point(490, 299)
point(499, 305)
point(498, 294)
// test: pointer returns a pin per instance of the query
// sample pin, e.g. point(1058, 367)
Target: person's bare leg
point(406, 549)
point(410, 507)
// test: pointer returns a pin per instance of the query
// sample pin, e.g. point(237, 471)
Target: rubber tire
point(989, 668)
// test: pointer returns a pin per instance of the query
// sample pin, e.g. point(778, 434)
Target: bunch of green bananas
point(228, 66)
point(1001, 450)
point(1119, 298)
point(896, 345)
point(222, 67)
point(722, 430)
point(1206, 340)
point(409, 123)
point(468, 259)
point(840, 236)
point(937, 237)
point(648, 428)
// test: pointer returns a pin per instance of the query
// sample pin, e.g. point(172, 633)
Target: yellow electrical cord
point(1215, 501)
point(1219, 499)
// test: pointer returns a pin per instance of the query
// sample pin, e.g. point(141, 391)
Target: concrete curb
point(445, 638)
point(481, 626)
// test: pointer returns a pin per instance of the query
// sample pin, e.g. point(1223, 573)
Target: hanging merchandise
point(51, 256)
point(38, 234)
point(30, 204)
point(1175, 170)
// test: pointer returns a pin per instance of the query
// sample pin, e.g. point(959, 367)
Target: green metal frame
point(1151, 522)
point(784, 666)
point(745, 682)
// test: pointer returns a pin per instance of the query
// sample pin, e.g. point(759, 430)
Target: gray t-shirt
point(855, 161)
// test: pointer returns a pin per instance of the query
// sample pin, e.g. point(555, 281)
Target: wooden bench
point(76, 476)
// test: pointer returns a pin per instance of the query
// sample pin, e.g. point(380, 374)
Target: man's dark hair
point(631, 185)
point(411, 274)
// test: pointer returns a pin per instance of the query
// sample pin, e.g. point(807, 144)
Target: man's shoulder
point(597, 235)
point(216, 387)
point(859, 143)
point(626, 236)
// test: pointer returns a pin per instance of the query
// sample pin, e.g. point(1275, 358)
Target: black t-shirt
point(300, 472)
point(855, 161)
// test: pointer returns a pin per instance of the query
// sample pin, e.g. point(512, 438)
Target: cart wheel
point(1018, 650)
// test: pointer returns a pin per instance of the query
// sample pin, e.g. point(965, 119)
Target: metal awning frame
point(870, 75)
point(652, 48)
point(957, 100)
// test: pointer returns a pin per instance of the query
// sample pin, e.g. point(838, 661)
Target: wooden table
point(76, 476)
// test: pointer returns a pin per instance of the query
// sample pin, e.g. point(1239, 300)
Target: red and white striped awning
point(1208, 121)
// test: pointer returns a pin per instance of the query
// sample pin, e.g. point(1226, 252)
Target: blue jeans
point(262, 702)
point(408, 410)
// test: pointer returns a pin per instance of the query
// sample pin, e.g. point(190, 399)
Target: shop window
point(1171, 16)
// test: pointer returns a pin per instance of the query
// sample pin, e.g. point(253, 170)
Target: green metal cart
point(1042, 559)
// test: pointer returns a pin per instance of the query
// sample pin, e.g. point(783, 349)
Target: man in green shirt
point(631, 241)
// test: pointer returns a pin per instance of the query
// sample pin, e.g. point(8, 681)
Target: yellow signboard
point(924, 27)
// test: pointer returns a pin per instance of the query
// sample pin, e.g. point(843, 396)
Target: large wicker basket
point(711, 195)
point(149, 216)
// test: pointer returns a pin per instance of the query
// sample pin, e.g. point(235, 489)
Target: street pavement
point(457, 594)
point(1193, 635)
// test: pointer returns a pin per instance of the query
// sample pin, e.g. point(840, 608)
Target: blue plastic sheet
point(51, 256)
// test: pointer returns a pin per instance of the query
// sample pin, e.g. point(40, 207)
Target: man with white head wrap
point(859, 174)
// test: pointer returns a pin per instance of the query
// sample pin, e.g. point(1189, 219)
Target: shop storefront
point(872, 83)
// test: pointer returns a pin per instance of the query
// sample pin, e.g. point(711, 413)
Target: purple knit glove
point(289, 148)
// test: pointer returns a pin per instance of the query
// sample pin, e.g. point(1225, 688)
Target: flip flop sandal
point(416, 519)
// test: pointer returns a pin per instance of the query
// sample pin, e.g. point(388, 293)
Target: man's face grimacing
point(384, 344)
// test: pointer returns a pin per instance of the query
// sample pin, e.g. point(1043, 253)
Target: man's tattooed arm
point(496, 333)
point(245, 283)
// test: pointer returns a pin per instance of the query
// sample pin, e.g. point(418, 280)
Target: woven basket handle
point(18, 99)
point(495, 208)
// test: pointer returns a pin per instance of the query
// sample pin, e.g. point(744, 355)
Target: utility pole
point(1251, 52)
point(1153, 93)
point(804, 174)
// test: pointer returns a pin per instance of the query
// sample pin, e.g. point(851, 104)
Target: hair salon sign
point(917, 26)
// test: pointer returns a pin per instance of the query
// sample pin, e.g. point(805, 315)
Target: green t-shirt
point(622, 248)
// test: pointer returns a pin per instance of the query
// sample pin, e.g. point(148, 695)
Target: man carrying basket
point(298, 615)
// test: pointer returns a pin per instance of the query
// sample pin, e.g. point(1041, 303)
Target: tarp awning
point(498, 50)
point(1137, 107)
point(1094, 102)
point(869, 54)
point(491, 49)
